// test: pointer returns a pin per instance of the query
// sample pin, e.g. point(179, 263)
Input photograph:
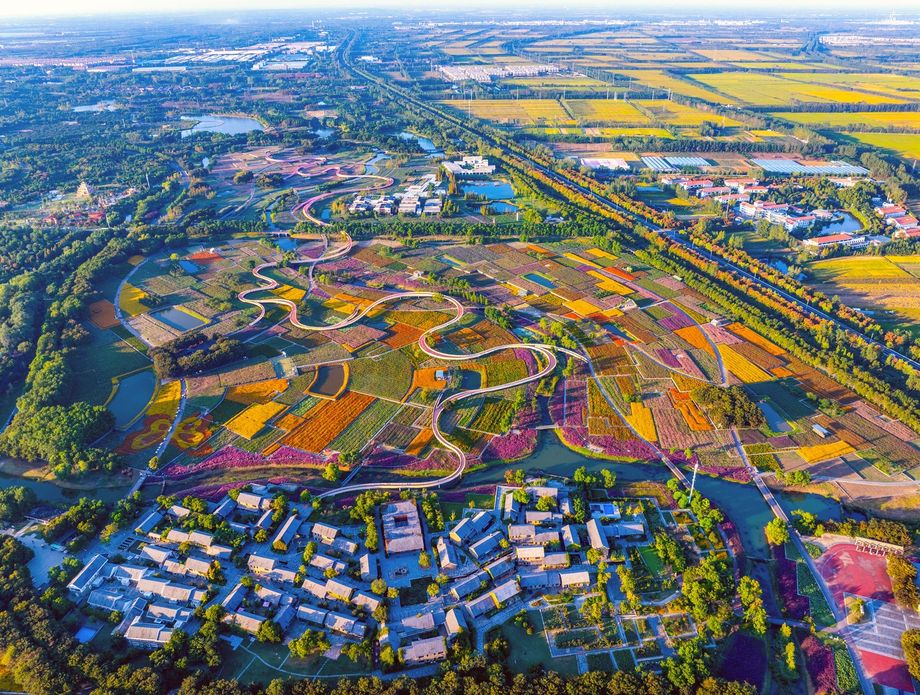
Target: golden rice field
point(676, 114)
point(902, 86)
point(889, 283)
point(884, 119)
point(659, 79)
point(606, 110)
point(521, 111)
point(905, 145)
point(769, 90)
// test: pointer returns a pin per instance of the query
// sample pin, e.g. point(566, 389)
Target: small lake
point(540, 280)
point(228, 125)
point(286, 243)
point(174, 317)
point(323, 133)
point(490, 190)
point(424, 143)
point(502, 208)
point(132, 395)
point(330, 378)
point(98, 107)
point(848, 223)
point(774, 420)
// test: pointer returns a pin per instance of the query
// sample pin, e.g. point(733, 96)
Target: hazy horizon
point(715, 8)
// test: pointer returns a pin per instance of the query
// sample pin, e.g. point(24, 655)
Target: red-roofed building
point(905, 222)
point(888, 211)
point(842, 239)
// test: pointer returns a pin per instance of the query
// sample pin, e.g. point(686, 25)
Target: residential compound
point(309, 573)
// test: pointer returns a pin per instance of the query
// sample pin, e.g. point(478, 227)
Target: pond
point(323, 133)
point(490, 190)
point(540, 280)
point(774, 421)
point(286, 243)
point(175, 317)
point(501, 207)
point(98, 107)
point(228, 125)
point(131, 397)
point(845, 223)
point(330, 379)
point(424, 143)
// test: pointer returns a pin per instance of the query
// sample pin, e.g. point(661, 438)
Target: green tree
point(777, 532)
point(751, 595)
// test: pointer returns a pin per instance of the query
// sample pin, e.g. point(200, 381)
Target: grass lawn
point(600, 662)
point(623, 659)
point(651, 559)
point(808, 587)
point(416, 593)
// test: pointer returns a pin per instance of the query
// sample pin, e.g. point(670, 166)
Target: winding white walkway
point(548, 352)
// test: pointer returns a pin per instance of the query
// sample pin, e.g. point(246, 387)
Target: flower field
point(257, 391)
point(742, 367)
point(823, 452)
point(250, 421)
point(129, 301)
point(325, 421)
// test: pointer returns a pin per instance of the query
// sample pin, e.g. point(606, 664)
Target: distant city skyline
point(117, 7)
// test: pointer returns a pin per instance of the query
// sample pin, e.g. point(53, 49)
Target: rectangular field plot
point(758, 89)
point(515, 111)
point(606, 110)
point(672, 113)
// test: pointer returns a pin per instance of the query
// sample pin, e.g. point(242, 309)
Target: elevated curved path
point(548, 352)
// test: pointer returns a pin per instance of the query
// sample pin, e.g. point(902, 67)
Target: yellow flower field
point(250, 422)
point(768, 90)
point(823, 452)
point(676, 114)
point(257, 391)
point(129, 301)
point(663, 81)
point(906, 145)
point(166, 401)
point(741, 367)
point(843, 119)
point(641, 418)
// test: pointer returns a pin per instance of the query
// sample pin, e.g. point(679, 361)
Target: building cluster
point(731, 191)
point(493, 560)
point(470, 167)
point(790, 217)
point(488, 73)
point(903, 224)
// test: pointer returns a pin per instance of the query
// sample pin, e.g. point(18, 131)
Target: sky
point(11, 9)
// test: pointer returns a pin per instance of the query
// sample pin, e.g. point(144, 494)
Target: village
point(279, 570)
